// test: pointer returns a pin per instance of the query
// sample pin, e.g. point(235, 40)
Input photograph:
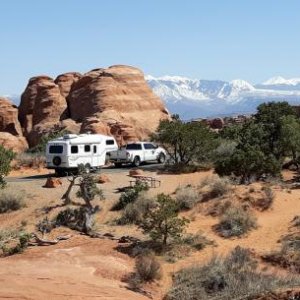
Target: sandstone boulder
point(102, 178)
point(120, 97)
point(42, 107)
point(17, 144)
point(136, 172)
point(11, 136)
point(53, 182)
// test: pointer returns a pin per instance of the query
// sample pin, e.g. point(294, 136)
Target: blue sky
point(224, 39)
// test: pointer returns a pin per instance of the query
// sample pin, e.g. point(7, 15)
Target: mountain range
point(193, 98)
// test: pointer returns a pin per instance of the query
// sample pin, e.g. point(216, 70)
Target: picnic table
point(149, 180)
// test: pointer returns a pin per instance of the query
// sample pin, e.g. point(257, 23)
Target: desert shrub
point(45, 225)
point(235, 222)
point(215, 187)
point(11, 201)
point(6, 156)
point(219, 187)
point(162, 222)
point(197, 241)
point(130, 195)
point(147, 267)
point(268, 198)
point(13, 241)
point(29, 160)
point(187, 197)
point(133, 212)
point(289, 255)
point(230, 278)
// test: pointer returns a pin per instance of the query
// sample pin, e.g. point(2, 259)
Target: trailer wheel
point(136, 161)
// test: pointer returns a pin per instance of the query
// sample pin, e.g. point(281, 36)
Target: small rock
point(103, 179)
point(135, 172)
point(53, 182)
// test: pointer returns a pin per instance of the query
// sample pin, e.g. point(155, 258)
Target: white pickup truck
point(137, 153)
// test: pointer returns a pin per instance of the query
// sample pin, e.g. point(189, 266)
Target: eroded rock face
point(114, 101)
point(65, 82)
point(9, 118)
point(42, 107)
point(16, 143)
point(119, 97)
point(11, 135)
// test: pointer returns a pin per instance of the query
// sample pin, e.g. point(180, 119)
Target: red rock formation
point(42, 107)
point(65, 82)
point(115, 101)
point(11, 136)
point(120, 97)
point(16, 143)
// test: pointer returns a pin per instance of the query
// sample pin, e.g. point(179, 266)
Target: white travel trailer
point(66, 153)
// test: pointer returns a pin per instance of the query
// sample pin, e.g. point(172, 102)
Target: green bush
point(11, 201)
point(234, 277)
point(162, 222)
point(235, 222)
point(6, 156)
point(130, 195)
point(134, 212)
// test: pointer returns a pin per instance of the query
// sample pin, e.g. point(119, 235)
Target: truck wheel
point(136, 161)
point(118, 165)
point(161, 158)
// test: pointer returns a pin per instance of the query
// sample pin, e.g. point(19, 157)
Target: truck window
point(134, 147)
point(110, 142)
point(149, 146)
point(74, 149)
point(56, 149)
point(87, 148)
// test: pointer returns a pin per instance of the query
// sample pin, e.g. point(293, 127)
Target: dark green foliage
point(234, 277)
point(6, 156)
point(269, 118)
point(162, 222)
point(249, 160)
point(11, 201)
point(130, 195)
point(185, 142)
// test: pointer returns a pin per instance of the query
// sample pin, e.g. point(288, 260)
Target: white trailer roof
point(81, 139)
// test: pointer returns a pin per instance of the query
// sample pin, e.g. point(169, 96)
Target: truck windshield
point(56, 149)
point(134, 147)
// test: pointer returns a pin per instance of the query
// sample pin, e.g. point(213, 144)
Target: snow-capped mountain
point(192, 98)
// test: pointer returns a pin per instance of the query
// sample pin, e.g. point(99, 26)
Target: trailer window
point(95, 149)
point(110, 142)
point(74, 149)
point(56, 149)
point(87, 148)
point(134, 147)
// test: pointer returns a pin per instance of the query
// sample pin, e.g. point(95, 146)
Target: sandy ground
point(85, 268)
